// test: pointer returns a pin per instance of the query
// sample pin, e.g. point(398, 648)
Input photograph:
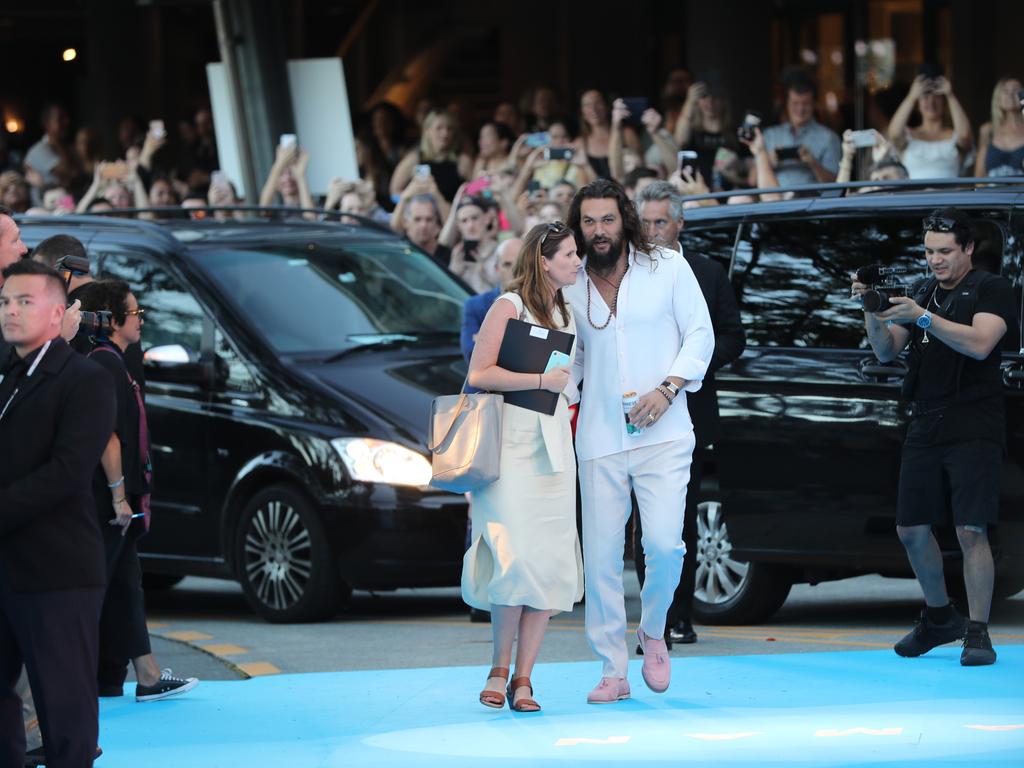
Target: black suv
point(290, 366)
point(804, 477)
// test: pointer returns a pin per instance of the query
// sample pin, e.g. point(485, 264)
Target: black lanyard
point(31, 370)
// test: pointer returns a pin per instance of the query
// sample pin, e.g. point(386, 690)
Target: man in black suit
point(56, 416)
point(661, 211)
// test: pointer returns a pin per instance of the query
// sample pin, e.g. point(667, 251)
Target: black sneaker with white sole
point(167, 685)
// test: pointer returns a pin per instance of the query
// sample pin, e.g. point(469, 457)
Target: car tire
point(728, 590)
point(156, 582)
point(282, 558)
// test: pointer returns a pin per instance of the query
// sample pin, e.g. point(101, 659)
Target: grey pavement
point(430, 628)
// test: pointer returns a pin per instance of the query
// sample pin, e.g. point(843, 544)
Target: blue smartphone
point(557, 360)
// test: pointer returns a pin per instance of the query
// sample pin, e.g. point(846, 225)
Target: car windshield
point(320, 298)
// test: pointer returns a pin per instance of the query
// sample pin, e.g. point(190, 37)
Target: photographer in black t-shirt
point(953, 323)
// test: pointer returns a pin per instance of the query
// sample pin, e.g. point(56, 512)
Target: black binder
point(527, 348)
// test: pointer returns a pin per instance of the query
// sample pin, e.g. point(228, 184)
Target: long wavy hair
point(604, 189)
point(529, 280)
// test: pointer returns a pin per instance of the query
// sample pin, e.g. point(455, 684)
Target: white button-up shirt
point(661, 328)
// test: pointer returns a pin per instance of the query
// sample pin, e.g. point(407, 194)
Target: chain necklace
point(615, 299)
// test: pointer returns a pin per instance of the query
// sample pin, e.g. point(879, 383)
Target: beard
point(599, 260)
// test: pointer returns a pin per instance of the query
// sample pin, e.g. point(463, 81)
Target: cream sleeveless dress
point(525, 548)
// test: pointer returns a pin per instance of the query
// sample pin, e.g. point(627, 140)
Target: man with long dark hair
point(645, 338)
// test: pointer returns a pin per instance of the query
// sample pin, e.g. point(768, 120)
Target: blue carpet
point(868, 708)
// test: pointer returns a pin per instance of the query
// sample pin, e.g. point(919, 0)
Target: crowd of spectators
point(457, 194)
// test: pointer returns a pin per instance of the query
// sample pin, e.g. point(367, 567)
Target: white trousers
point(659, 475)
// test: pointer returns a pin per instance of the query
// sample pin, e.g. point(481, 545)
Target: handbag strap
point(462, 404)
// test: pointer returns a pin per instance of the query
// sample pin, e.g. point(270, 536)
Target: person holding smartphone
point(287, 176)
point(524, 561)
point(121, 487)
point(802, 150)
point(933, 149)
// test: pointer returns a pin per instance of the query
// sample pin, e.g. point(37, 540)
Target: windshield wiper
point(372, 341)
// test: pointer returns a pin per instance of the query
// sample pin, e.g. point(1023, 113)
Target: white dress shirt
point(661, 328)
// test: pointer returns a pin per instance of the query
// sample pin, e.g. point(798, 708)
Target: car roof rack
point(838, 189)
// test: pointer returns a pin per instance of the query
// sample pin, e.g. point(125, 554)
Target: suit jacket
point(473, 313)
point(51, 440)
point(730, 341)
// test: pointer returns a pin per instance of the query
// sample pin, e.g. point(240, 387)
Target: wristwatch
point(925, 320)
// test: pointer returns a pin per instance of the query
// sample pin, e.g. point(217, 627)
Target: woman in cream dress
point(524, 562)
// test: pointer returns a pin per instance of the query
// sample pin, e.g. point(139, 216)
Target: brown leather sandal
point(524, 704)
point(494, 699)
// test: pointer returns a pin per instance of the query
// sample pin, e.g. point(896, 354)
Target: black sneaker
point(36, 757)
point(977, 650)
point(167, 685)
point(683, 633)
point(927, 634)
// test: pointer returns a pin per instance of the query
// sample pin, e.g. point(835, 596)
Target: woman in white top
point(524, 562)
point(932, 150)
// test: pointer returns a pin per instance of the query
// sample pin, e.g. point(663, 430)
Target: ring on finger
point(651, 416)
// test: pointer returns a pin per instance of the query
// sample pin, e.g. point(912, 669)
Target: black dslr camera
point(882, 285)
point(96, 324)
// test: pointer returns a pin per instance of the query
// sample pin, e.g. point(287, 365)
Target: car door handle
point(872, 369)
point(1013, 377)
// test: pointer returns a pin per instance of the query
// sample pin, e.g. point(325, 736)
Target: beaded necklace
point(615, 299)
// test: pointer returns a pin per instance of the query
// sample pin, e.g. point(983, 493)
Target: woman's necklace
point(615, 298)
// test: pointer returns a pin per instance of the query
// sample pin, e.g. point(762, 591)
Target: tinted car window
point(323, 297)
point(173, 316)
point(793, 277)
point(714, 242)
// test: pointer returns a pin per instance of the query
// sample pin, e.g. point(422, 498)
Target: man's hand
point(649, 409)
point(806, 156)
point(72, 319)
point(904, 310)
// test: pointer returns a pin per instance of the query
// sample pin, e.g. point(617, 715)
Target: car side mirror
point(177, 364)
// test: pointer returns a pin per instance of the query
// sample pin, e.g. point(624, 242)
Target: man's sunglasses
point(135, 312)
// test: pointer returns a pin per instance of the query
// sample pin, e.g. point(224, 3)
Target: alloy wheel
point(720, 577)
point(278, 555)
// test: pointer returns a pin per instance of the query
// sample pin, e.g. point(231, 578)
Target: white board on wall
point(323, 121)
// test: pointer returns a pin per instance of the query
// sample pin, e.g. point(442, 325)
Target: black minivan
point(289, 370)
point(807, 463)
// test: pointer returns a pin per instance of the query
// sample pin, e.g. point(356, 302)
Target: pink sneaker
point(657, 668)
point(609, 690)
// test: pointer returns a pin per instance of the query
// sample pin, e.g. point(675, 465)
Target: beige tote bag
point(465, 441)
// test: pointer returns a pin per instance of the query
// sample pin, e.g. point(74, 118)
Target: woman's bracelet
point(118, 501)
point(540, 381)
point(114, 485)
point(665, 393)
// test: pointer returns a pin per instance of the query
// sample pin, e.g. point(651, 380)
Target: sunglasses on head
point(939, 224)
point(554, 227)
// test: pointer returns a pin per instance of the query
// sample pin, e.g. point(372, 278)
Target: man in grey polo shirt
point(817, 148)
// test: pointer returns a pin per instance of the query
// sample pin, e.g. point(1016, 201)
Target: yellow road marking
point(188, 636)
point(257, 668)
point(157, 625)
point(224, 649)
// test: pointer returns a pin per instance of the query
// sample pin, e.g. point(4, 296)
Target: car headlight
point(380, 461)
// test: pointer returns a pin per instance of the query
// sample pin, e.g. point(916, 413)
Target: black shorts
point(961, 477)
